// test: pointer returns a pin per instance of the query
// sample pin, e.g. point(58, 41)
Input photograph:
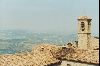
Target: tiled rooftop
point(46, 54)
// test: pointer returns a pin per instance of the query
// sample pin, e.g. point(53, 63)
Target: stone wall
point(95, 43)
point(84, 41)
point(71, 63)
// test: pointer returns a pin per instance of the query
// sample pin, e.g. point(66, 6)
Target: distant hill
point(14, 40)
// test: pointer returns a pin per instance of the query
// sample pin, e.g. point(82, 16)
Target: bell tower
point(84, 32)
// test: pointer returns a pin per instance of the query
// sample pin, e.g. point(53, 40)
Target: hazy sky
point(47, 15)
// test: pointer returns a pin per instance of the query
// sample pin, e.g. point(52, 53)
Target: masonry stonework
point(84, 32)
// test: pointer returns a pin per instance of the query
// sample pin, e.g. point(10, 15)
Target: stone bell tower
point(84, 32)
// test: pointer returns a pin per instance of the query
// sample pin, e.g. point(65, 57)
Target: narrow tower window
point(82, 26)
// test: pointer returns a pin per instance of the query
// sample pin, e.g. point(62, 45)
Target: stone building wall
point(84, 32)
point(94, 43)
point(84, 41)
point(72, 63)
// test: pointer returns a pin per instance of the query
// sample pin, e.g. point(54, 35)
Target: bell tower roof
point(83, 17)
